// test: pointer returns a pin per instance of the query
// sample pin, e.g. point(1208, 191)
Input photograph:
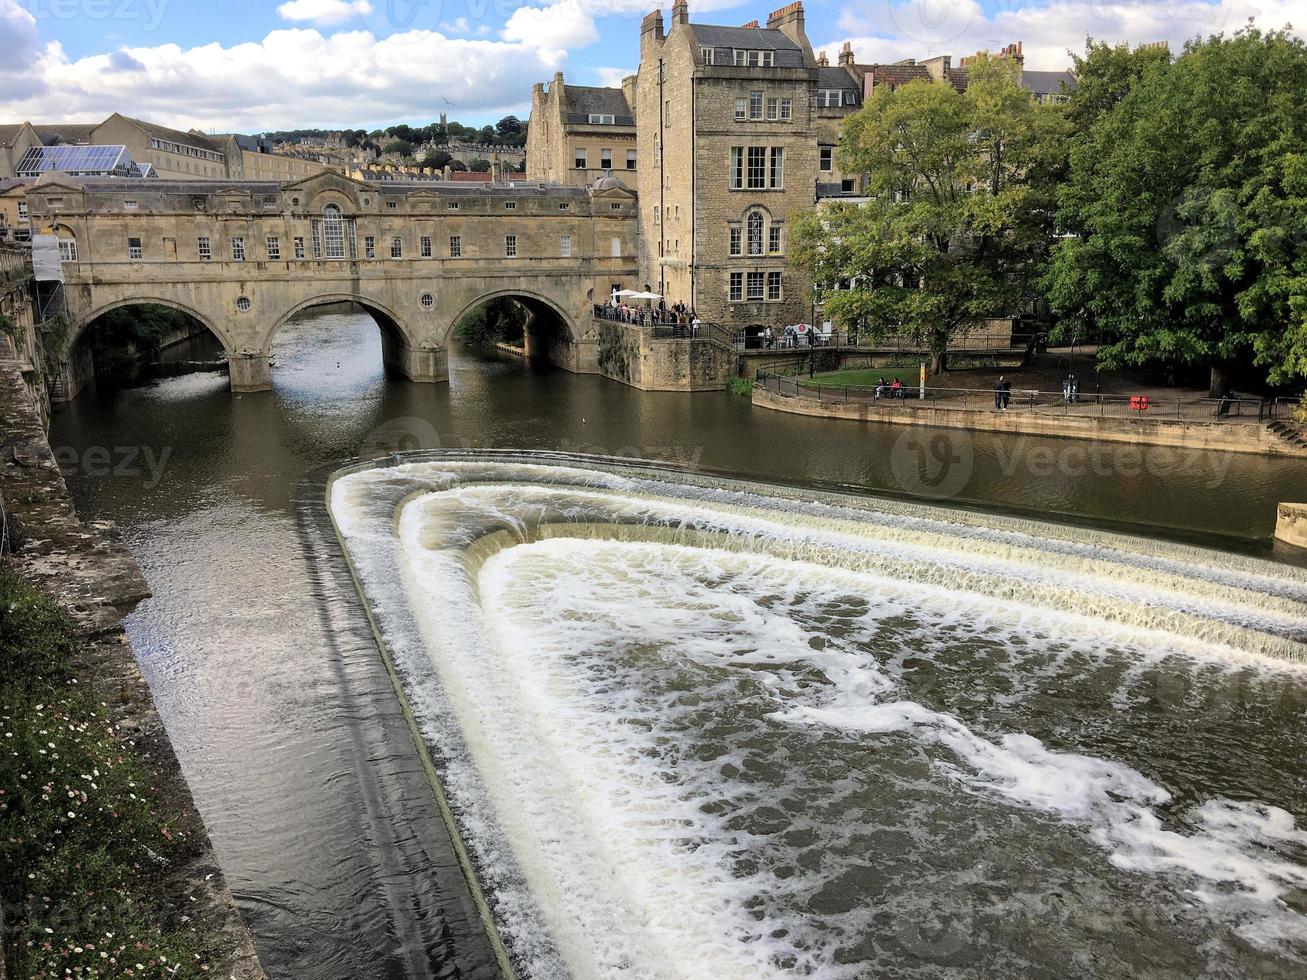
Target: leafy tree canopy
point(1185, 205)
point(959, 213)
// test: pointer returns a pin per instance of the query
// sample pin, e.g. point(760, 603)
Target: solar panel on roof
point(78, 161)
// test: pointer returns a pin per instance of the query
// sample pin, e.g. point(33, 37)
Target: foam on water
point(672, 719)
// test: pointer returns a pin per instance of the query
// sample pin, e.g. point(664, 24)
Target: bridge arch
point(79, 325)
point(551, 332)
point(78, 352)
point(403, 352)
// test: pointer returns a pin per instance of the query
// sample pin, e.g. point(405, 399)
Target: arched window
point(755, 224)
point(333, 232)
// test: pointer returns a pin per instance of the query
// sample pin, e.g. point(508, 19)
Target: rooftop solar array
point(78, 161)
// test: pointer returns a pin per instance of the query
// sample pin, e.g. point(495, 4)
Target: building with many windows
point(579, 133)
point(727, 128)
point(159, 150)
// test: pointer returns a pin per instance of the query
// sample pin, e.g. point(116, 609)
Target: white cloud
point(612, 77)
point(291, 78)
point(19, 42)
point(883, 31)
point(558, 26)
point(325, 12)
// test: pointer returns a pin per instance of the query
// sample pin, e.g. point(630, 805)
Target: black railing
point(913, 398)
point(980, 343)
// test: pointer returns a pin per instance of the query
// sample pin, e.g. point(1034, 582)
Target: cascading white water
point(695, 728)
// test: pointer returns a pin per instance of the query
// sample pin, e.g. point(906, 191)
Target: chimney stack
point(680, 12)
point(846, 55)
point(789, 21)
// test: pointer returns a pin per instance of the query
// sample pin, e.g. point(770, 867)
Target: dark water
point(282, 717)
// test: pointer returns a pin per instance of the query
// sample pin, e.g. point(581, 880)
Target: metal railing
point(663, 325)
point(980, 343)
point(913, 398)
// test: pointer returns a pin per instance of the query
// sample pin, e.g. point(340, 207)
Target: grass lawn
point(866, 377)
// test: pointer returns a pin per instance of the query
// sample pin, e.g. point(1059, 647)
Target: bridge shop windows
point(510, 246)
point(396, 248)
point(369, 247)
point(565, 246)
point(299, 246)
point(134, 250)
point(238, 249)
point(424, 246)
point(205, 248)
point(455, 246)
point(67, 250)
point(274, 248)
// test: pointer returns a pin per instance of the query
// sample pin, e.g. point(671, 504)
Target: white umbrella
point(627, 292)
point(646, 296)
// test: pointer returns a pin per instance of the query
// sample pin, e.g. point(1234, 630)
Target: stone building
point(727, 126)
point(170, 153)
point(579, 133)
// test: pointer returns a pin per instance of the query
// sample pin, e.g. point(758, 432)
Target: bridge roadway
point(242, 258)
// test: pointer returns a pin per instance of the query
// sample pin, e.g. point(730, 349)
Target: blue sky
point(252, 66)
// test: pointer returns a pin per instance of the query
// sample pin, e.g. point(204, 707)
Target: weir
point(832, 710)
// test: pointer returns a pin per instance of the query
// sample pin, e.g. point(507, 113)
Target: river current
point(731, 731)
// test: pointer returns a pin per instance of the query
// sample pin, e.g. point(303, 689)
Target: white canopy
point(627, 292)
point(646, 295)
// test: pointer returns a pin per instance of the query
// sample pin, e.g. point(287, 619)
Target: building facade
point(578, 133)
point(736, 130)
point(727, 125)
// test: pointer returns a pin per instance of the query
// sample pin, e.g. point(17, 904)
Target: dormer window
point(602, 119)
point(707, 55)
point(746, 58)
point(833, 98)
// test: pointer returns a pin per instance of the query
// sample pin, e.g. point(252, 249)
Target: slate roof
point(9, 133)
point(1049, 82)
point(175, 135)
point(788, 53)
point(836, 78)
point(582, 100)
point(66, 132)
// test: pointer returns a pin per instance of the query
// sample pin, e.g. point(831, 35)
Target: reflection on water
point(280, 729)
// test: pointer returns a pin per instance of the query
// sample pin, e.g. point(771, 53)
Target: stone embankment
point(1236, 436)
point(1291, 524)
point(99, 583)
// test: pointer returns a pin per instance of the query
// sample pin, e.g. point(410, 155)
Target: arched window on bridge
point(333, 232)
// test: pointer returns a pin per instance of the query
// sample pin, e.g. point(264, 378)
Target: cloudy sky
point(251, 65)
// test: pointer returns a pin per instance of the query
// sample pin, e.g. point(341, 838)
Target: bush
point(85, 835)
point(740, 386)
point(498, 320)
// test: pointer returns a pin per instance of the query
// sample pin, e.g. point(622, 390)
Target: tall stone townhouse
point(736, 131)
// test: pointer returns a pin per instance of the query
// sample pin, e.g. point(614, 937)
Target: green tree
point(457, 165)
point(437, 159)
point(959, 213)
point(511, 131)
point(479, 166)
point(491, 322)
point(401, 147)
point(1185, 209)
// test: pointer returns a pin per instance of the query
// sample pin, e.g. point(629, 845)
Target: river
point(282, 717)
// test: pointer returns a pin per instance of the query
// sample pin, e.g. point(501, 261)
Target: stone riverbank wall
point(1234, 436)
point(99, 583)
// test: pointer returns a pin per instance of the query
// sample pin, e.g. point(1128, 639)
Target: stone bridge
point(243, 258)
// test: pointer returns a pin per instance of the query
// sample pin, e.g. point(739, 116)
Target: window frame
point(735, 287)
point(510, 246)
point(455, 246)
point(204, 248)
